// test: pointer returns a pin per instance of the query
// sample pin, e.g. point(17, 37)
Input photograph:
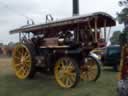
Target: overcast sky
point(13, 12)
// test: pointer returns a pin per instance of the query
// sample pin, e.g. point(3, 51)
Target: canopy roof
point(71, 23)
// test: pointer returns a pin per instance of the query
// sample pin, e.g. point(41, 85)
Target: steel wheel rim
point(22, 61)
point(65, 73)
point(89, 70)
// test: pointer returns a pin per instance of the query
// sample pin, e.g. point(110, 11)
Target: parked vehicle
point(111, 56)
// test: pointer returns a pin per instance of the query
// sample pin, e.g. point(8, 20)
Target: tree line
point(122, 18)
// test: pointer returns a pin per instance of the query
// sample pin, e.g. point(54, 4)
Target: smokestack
point(75, 7)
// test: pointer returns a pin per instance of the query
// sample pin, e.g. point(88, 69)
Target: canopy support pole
point(77, 34)
point(89, 25)
point(108, 34)
point(96, 39)
point(29, 35)
point(105, 30)
point(19, 36)
point(90, 28)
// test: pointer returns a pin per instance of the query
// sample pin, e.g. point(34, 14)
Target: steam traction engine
point(61, 47)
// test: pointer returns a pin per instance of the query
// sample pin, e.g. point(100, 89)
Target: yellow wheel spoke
point(18, 66)
point(60, 73)
point(28, 60)
point(16, 57)
point(26, 67)
point(18, 53)
point(25, 70)
point(71, 80)
point(20, 70)
point(63, 80)
point(69, 67)
point(27, 63)
point(63, 65)
point(22, 51)
point(67, 82)
point(72, 77)
point(91, 76)
point(84, 76)
point(27, 57)
point(26, 54)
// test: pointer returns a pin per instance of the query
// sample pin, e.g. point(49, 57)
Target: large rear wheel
point(66, 72)
point(90, 70)
point(23, 62)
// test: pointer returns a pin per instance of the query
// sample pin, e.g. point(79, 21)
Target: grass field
point(43, 85)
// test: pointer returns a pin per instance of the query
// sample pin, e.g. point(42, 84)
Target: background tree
point(11, 44)
point(122, 17)
point(1, 44)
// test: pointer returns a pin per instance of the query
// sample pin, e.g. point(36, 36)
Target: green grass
point(43, 85)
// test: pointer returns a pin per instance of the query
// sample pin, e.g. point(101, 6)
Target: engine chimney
point(75, 7)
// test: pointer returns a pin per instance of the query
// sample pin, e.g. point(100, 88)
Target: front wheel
point(23, 62)
point(66, 72)
point(90, 70)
